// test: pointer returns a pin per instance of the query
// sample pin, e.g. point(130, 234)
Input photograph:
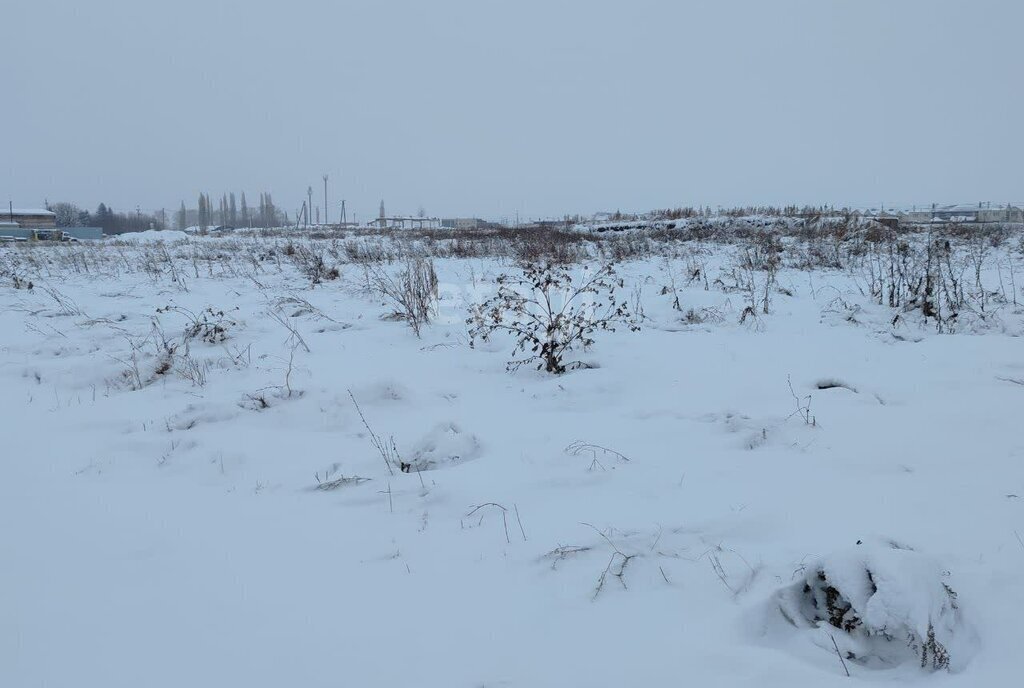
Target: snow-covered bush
point(882, 606)
point(549, 314)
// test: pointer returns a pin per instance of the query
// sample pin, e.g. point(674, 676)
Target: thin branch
point(504, 516)
point(520, 521)
point(839, 654)
point(578, 447)
point(382, 449)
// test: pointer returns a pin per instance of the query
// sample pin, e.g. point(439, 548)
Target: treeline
point(229, 212)
point(105, 217)
point(745, 211)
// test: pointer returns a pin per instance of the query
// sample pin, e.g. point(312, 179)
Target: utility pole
point(344, 217)
point(325, 200)
point(309, 194)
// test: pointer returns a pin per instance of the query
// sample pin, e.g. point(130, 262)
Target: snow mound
point(444, 445)
point(883, 606)
point(381, 391)
point(151, 236)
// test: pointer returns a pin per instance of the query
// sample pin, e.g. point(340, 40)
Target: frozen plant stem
point(840, 655)
point(520, 521)
point(504, 517)
point(387, 453)
point(617, 556)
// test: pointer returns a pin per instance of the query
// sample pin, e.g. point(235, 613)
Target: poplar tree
point(245, 212)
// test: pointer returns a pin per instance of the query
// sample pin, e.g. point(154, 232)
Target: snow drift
point(445, 445)
point(151, 236)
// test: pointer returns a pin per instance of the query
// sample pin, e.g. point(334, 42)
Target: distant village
point(67, 223)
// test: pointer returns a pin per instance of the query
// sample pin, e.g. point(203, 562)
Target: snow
point(30, 211)
point(150, 236)
point(631, 524)
point(444, 445)
point(897, 601)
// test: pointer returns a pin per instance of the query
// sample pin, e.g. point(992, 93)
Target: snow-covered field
point(190, 497)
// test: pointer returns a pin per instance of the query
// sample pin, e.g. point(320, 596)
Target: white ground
point(171, 536)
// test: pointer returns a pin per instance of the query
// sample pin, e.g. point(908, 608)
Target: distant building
point(887, 220)
point(548, 224)
point(30, 218)
point(407, 222)
point(461, 223)
point(965, 214)
point(385, 221)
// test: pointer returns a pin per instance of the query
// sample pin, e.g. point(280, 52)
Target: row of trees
point(105, 217)
point(229, 213)
point(114, 222)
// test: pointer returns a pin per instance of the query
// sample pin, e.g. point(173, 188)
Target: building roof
point(28, 211)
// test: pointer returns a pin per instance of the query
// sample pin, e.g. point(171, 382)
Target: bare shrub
point(191, 369)
point(65, 304)
point(209, 325)
point(150, 358)
point(919, 274)
point(549, 315)
point(309, 259)
point(696, 269)
point(11, 268)
point(413, 291)
point(550, 245)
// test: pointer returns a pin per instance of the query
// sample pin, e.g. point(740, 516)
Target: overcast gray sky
point(474, 107)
